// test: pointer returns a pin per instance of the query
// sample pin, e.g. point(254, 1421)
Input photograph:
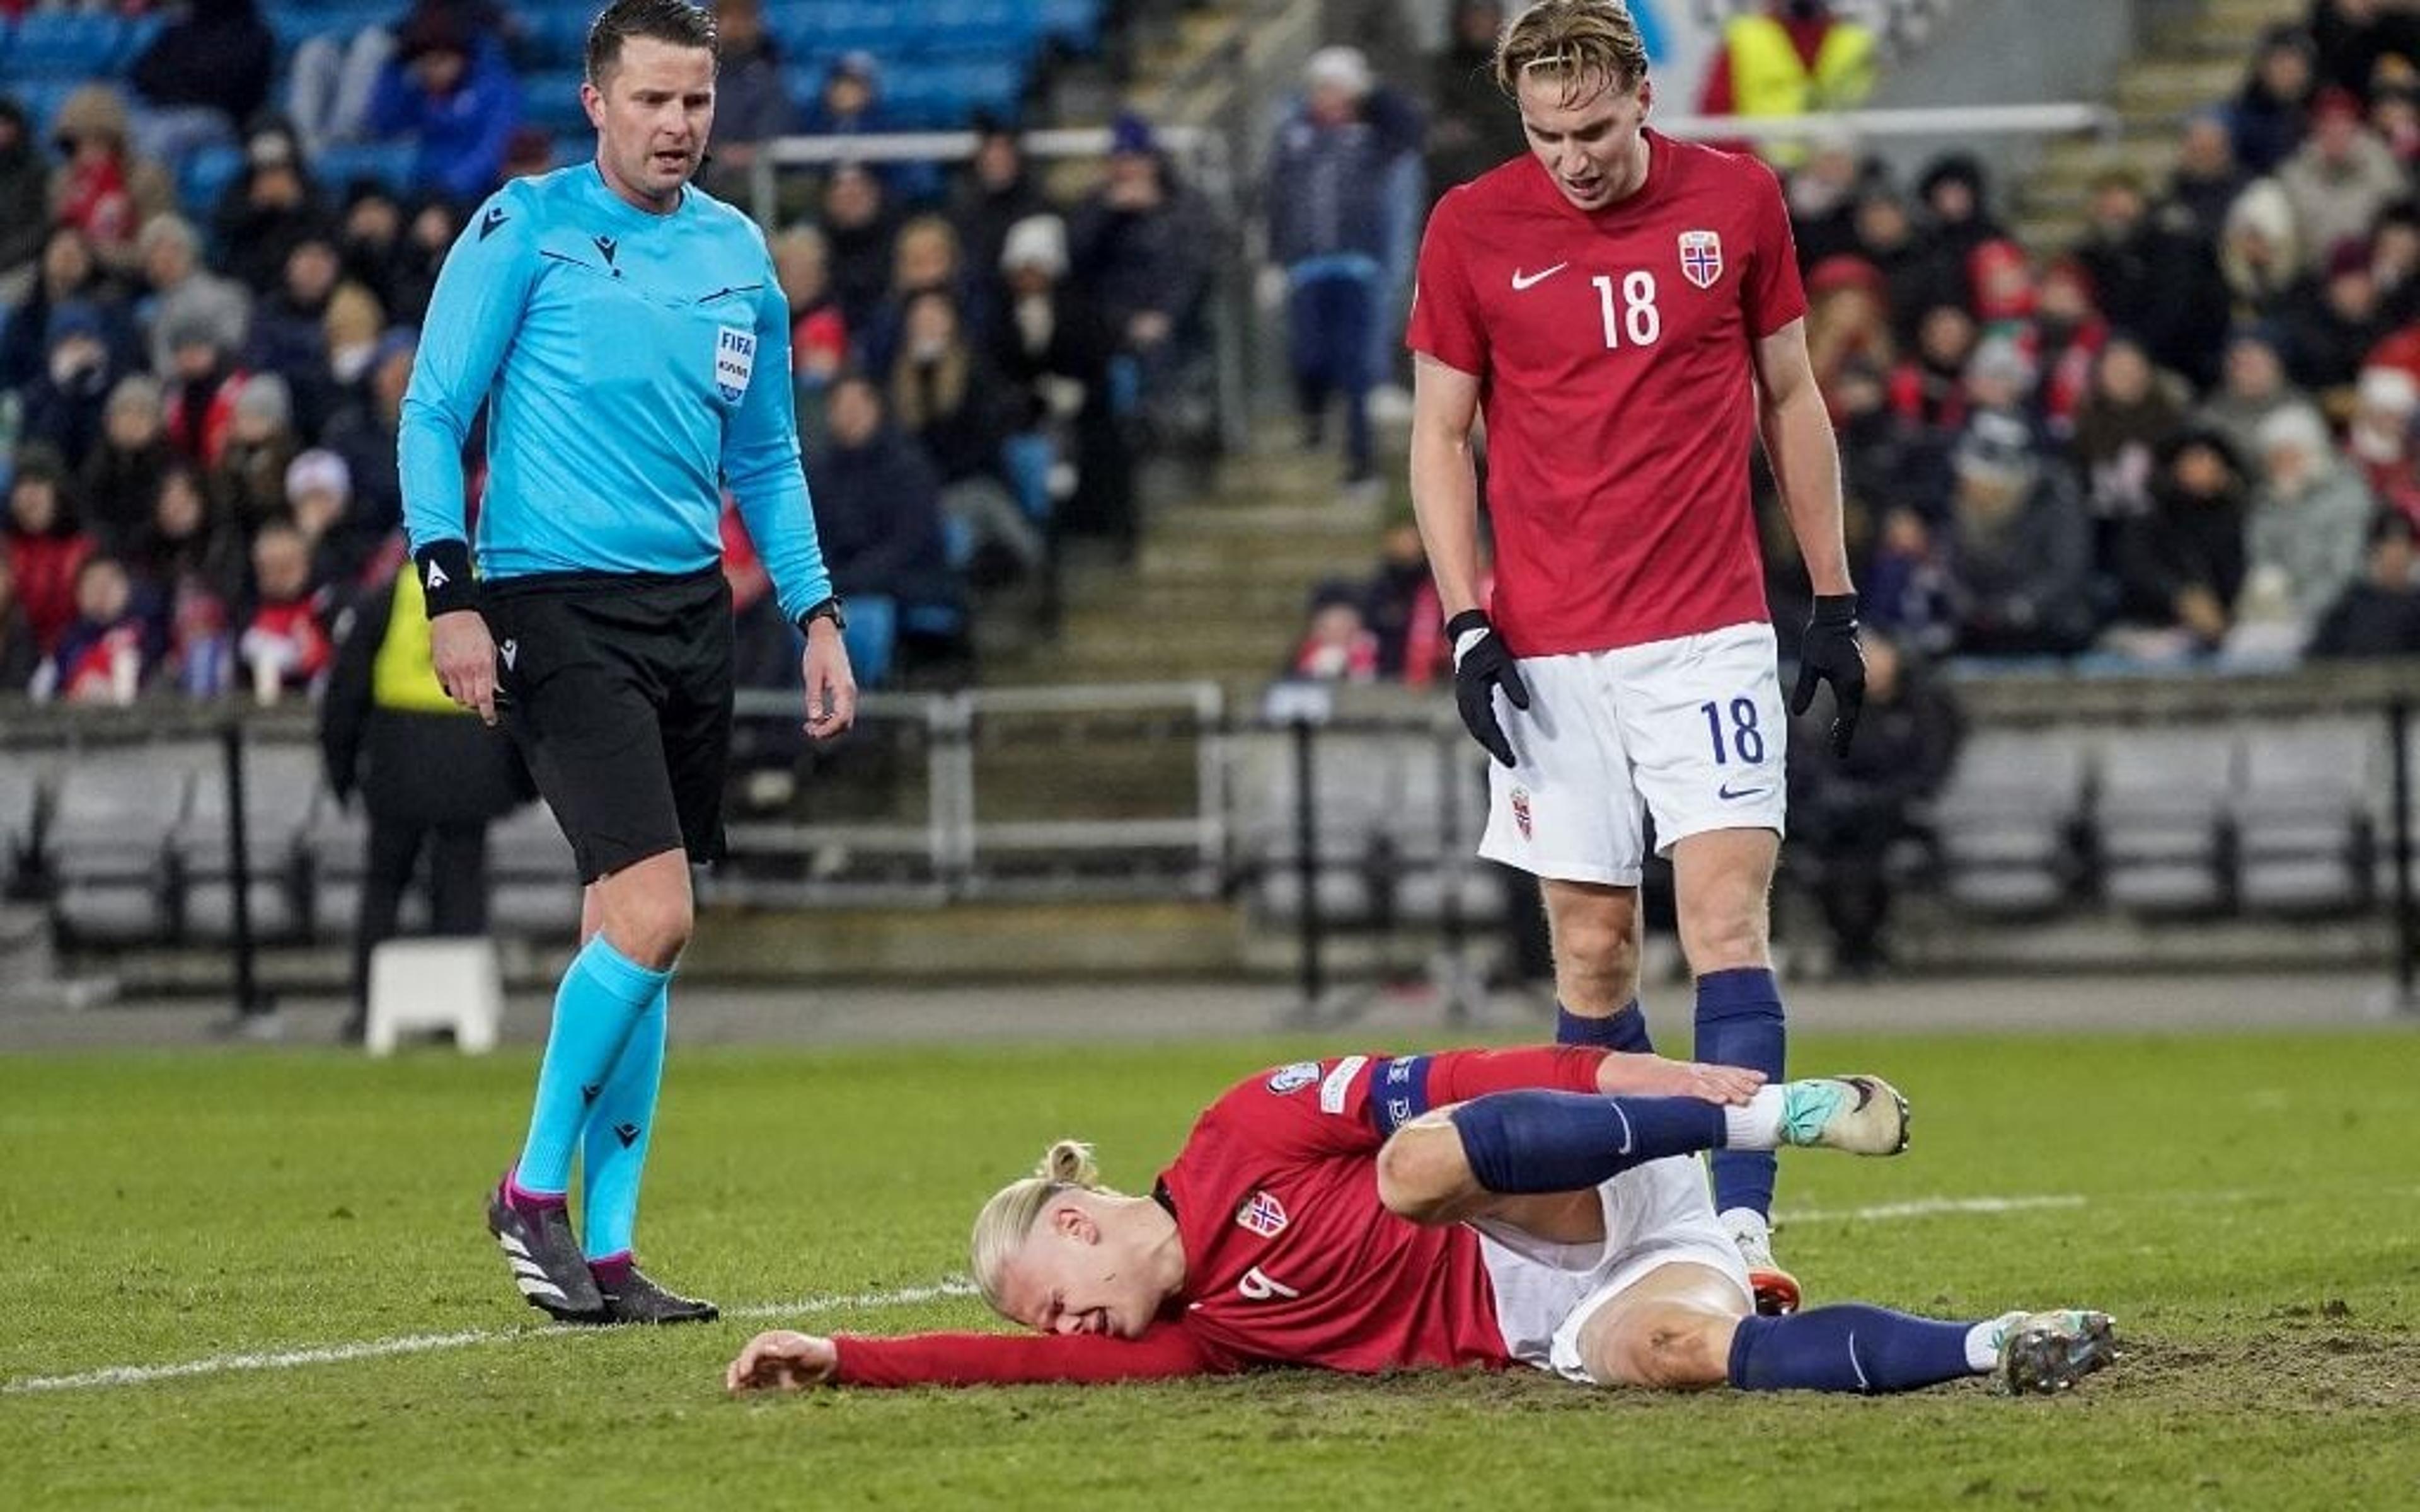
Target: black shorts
point(617, 690)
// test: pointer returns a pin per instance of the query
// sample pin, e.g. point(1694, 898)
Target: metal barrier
point(2052, 118)
point(994, 793)
point(1355, 811)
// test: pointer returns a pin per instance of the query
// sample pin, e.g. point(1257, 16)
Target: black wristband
point(1835, 609)
point(1468, 620)
point(825, 609)
point(446, 580)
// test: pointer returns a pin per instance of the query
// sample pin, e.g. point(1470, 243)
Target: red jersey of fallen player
point(1615, 351)
point(1290, 1259)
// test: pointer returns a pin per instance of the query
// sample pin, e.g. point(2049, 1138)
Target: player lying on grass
point(1468, 1208)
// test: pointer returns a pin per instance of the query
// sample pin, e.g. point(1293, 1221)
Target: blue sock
point(614, 1146)
point(603, 993)
point(1541, 1141)
point(1623, 1030)
point(1849, 1347)
point(1739, 1024)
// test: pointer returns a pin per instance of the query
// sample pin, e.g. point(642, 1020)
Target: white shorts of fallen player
point(1689, 729)
point(1656, 1214)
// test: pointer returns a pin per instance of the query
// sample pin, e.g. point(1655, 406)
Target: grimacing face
point(1589, 143)
point(1073, 1277)
point(653, 112)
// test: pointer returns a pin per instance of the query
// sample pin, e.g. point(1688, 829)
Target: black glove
point(1830, 654)
point(1481, 666)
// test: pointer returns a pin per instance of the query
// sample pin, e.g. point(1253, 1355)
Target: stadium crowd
point(2190, 437)
point(199, 383)
point(2051, 451)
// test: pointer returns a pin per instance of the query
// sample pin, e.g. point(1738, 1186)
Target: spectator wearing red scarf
point(43, 544)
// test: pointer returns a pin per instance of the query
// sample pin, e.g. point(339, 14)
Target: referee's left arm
point(761, 463)
point(762, 467)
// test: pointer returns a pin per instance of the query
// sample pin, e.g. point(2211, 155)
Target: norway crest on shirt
point(1701, 258)
point(1263, 1214)
point(734, 361)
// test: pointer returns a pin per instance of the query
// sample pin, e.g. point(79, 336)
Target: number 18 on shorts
point(1690, 729)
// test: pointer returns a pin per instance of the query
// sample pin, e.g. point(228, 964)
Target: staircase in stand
point(2188, 64)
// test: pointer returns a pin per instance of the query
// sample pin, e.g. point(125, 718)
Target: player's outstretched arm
point(785, 1360)
point(779, 1360)
point(1449, 1076)
point(1622, 1074)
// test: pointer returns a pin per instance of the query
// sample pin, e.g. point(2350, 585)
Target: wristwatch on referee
point(828, 609)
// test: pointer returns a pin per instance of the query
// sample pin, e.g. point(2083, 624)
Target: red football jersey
point(1290, 1258)
point(1615, 351)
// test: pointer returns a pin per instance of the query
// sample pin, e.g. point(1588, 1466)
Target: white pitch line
point(1924, 1208)
point(138, 1374)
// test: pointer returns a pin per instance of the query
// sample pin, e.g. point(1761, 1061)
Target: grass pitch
point(302, 1232)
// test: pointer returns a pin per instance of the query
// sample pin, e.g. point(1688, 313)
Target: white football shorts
point(1656, 1214)
point(1690, 729)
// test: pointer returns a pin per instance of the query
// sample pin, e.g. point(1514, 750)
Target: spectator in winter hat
point(122, 474)
point(2310, 516)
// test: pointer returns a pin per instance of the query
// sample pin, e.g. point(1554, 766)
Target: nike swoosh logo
point(1725, 794)
point(1522, 279)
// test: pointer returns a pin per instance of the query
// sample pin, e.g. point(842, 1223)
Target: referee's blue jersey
point(632, 363)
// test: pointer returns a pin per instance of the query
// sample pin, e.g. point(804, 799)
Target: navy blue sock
point(1849, 1347)
point(1540, 1141)
point(1623, 1030)
point(1739, 1024)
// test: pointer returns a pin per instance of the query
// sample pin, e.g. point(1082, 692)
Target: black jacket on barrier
point(413, 768)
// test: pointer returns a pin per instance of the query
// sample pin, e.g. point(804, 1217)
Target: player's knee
point(1422, 1174)
point(1665, 1347)
point(1600, 947)
point(651, 926)
point(1726, 931)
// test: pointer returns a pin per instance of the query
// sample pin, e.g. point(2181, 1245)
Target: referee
point(632, 344)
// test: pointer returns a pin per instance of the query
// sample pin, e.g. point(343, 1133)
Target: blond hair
point(1001, 1227)
point(1581, 43)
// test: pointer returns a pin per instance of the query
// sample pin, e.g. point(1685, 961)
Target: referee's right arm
point(471, 318)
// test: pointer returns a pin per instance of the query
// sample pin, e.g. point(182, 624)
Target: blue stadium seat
point(1075, 23)
point(945, 93)
point(140, 30)
point(977, 28)
point(558, 34)
point(205, 173)
point(293, 22)
point(872, 635)
point(41, 98)
point(390, 163)
point(551, 101)
point(67, 41)
point(879, 26)
point(575, 147)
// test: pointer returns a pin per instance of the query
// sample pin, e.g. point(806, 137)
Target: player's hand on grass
point(1831, 654)
point(1628, 1075)
point(781, 1361)
point(832, 687)
point(1482, 664)
point(464, 655)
